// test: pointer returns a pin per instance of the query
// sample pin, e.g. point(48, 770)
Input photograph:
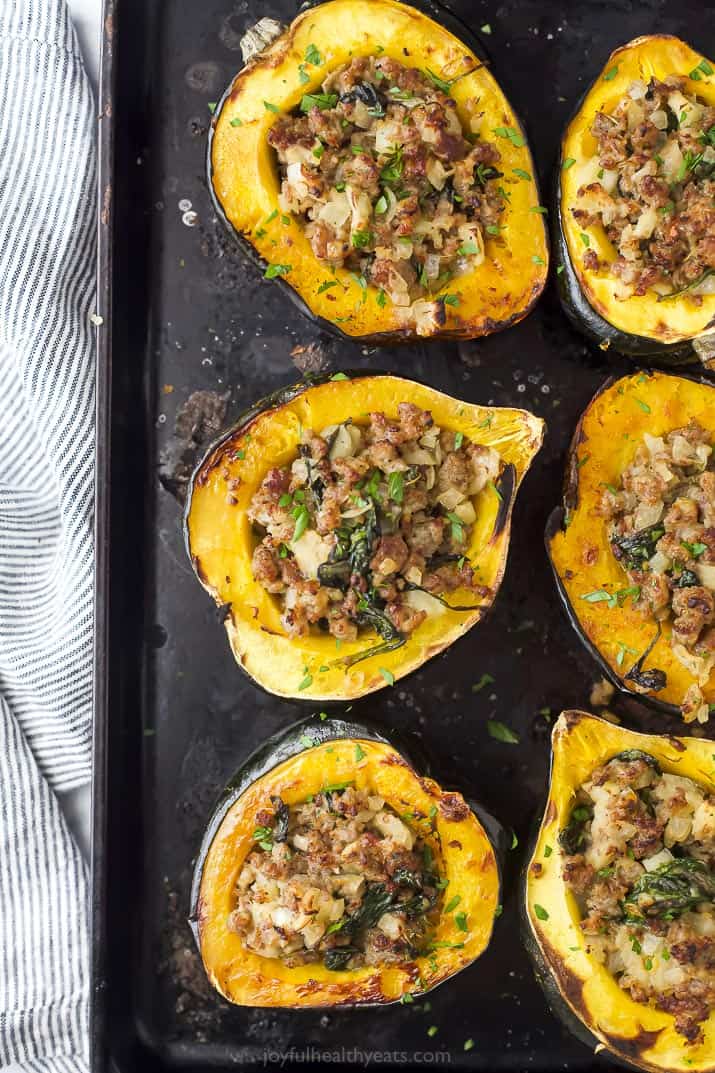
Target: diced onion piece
point(659, 119)
point(637, 90)
point(451, 498)
point(672, 158)
point(651, 863)
point(423, 601)
point(647, 223)
point(437, 173)
point(655, 444)
point(647, 514)
point(706, 575)
point(466, 512)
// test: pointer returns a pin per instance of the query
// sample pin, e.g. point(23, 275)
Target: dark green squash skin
point(505, 483)
point(557, 521)
point(580, 311)
point(288, 743)
point(439, 14)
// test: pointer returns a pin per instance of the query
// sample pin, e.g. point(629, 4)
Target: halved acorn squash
point(673, 331)
point(220, 540)
point(244, 182)
point(300, 762)
point(606, 437)
point(579, 989)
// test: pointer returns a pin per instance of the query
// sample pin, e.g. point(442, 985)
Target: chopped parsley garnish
point(468, 248)
point(585, 239)
point(538, 208)
point(312, 56)
point(360, 753)
point(302, 520)
point(274, 270)
point(485, 680)
point(440, 83)
point(387, 675)
point(381, 205)
point(396, 486)
point(324, 101)
point(541, 913)
point(236, 121)
point(568, 163)
point(513, 135)
point(451, 299)
point(270, 107)
point(361, 239)
point(538, 260)
point(327, 284)
point(643, 405)
point(611, 74)
point(453, 903)
point(521, 174)
point(501, 732)
point(460, 919)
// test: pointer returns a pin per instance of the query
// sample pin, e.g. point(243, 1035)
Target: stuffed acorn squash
point(350, 534)
point(276, 927)
point(619, 893)
point(633, 548)
point(634, 217)
point(370, 162)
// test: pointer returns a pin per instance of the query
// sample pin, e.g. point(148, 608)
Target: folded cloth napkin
point(47, 264)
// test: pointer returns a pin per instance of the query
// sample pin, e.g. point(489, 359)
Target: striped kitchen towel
point(47, 264)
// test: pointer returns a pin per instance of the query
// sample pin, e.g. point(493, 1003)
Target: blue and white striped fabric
point(47, 259)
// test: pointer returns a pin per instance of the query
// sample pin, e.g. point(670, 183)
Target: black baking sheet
point(184, 313)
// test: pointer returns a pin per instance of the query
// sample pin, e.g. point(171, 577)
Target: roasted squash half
point(244, 182)
point(671, 332)
point(220, 540)
point(580, 989)
point(293, 765)
point(606, 437)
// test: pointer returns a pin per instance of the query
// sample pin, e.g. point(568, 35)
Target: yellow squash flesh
point(606, 440)
point(461, 849)
point(221, 540)
point(637, 1033)
point(668, 322)
point(245, 180)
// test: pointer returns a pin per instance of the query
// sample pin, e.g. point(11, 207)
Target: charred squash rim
point(580, 991)
point(467, 842)
point(585, 302)
point(368, 322)
point(268, 435)
point(602, 631)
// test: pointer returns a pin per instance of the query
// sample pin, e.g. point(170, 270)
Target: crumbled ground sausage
point(662, 531)
point(651, 184)
point(386, 181)
point(638, 854)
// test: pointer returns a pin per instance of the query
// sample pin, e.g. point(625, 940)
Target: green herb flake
point(432, 1031)
point(501, 732)
point(312, 56)
point(568, 163)
point(453, 903)
point(451, 299)
point(538, 208)
point(339, 376)
point(514, 840)
point(548, 850)
point(611, 74)
point(396, 486)
point(467, 249)
point(303, 75)
point(485, 680)
point(541, 913)
point(560, 269)
point(460, 919)
point(493, 229)
point(326, 285)
point(360, 753)
point(643, 405)
point(381, 298)
point(274, 270)
point(440, 83)
point(387, 675)
point(236, 121)
point(324, 101)
point(485, 29)
point(582, 461)
point(585, 239)
point(380, 205)
point(270, 107)
point(521, 174)
point(305, 740)
point(458, 440)
point(469, 1043)
point(537, 260)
